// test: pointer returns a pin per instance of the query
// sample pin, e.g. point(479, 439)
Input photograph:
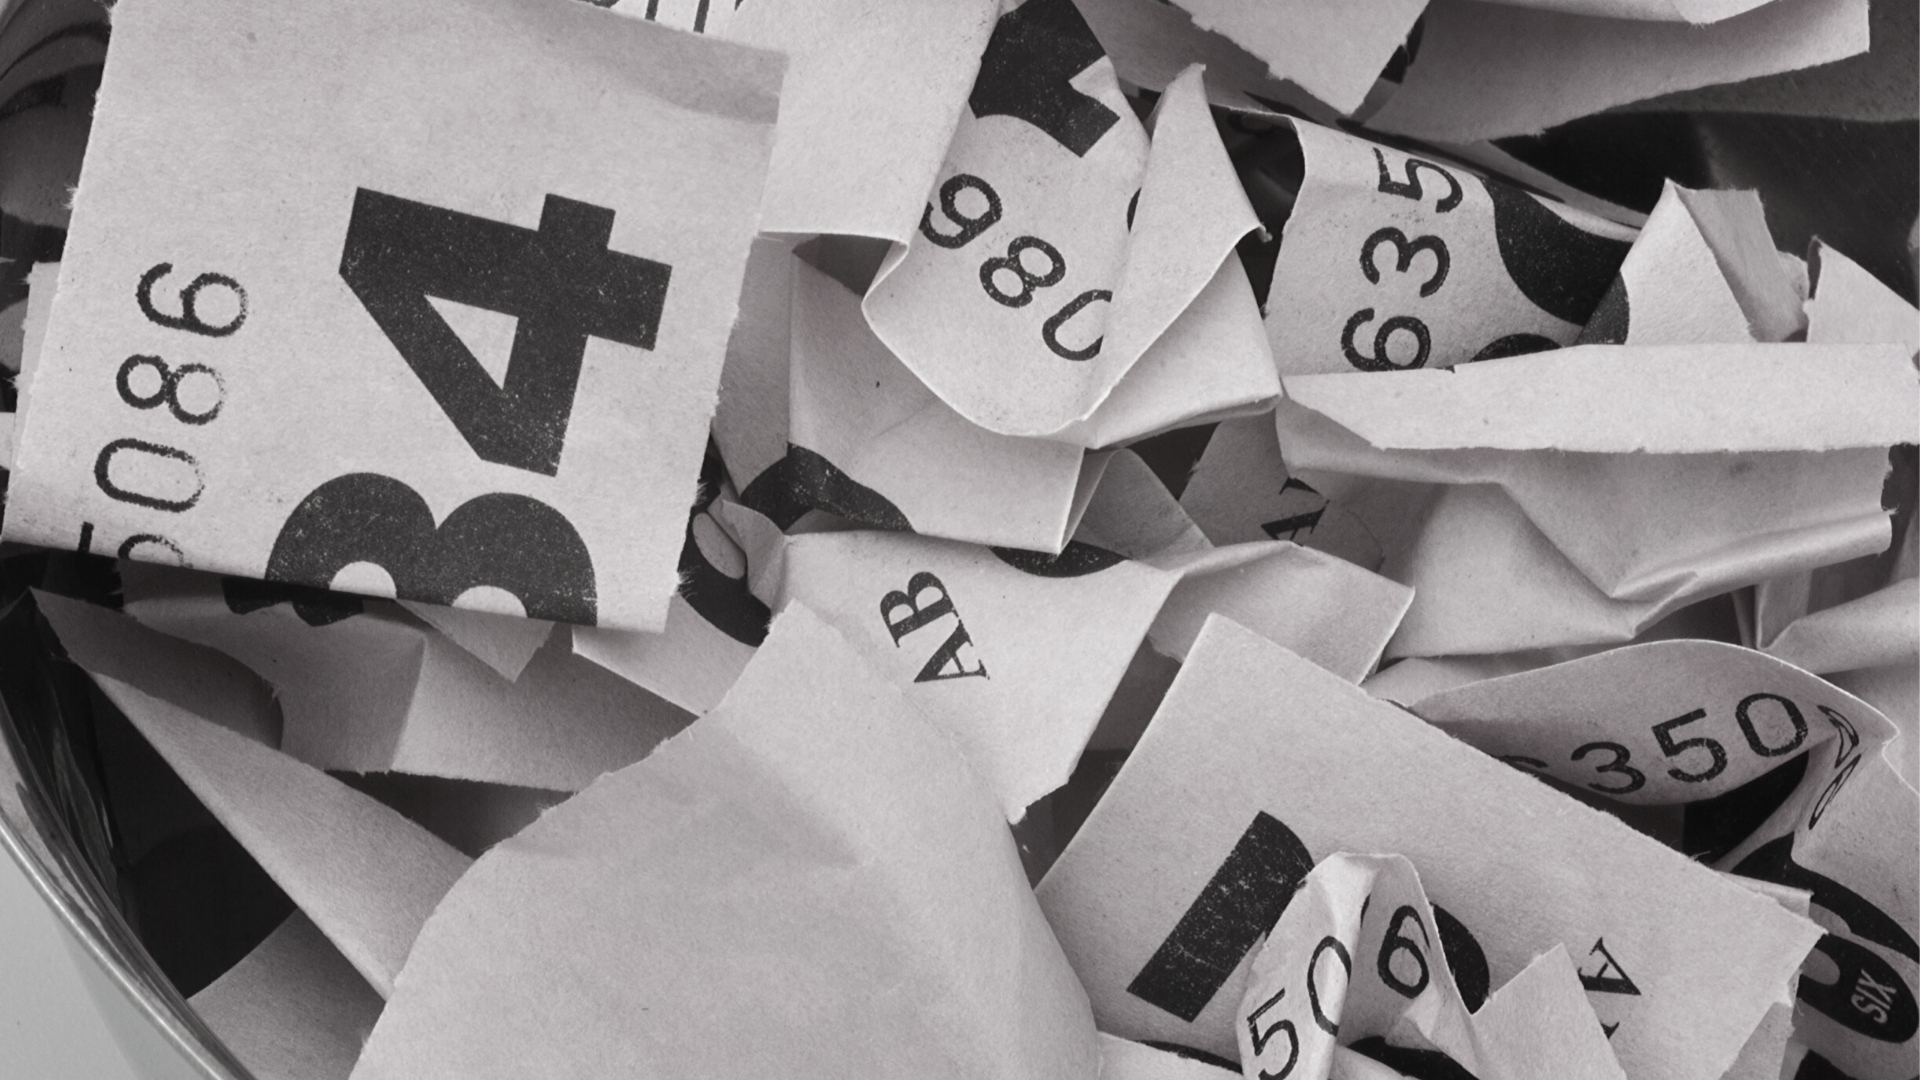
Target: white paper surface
point(1391, 260)
point(1246, 762)
point(1357, 948)
point(1334, 50)
point(293, 1008)
point(1487, 70)
point(855, 404)
point(1688, 721)
point(871, 96)
point(1850, 305)
point(813, 850)
point(329, 410)
point(1659, 400)
point(1059, 246)
point(1013, 654)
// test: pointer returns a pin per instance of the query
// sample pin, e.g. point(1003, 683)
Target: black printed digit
point(168, 391)
point(1397, 943)
point(1050, 331)
point(1262, 1036)
point(1635, 779)
point(560, 281)
point(1327, 945)
point(189, 318)
point(1663, 734)
point(159, 460)
point(1010, 263)
point(1404, 252)
point(971, 225)
point(1382, 337)
point(1743, 713)
point(507, 541)
point(1410, 187)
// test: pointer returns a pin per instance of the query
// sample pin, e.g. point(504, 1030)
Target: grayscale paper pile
point(1215, 545)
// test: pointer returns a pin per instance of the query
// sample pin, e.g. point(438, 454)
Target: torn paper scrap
point(1241, 778)
point(366, 688)
point(201, 680)
point(1213, 362)
point(1710, 399)
point(1370, 962)
point(1850, 305)
point(713, 623)
point(504, 643)
point(1696, 721)
point(1488, 70)
point(293, 1008)
point(1333, 51)
point(1323, 608)
point(1390, 260)
point(1013, 653)
point(1060, 245)
point(750, 418)
point(453, 346)
point(1124, 1059)
point(365, 875)
point(870, 101)
point(1675, 287)
point(903, 458)
point(812, 845)
point(1693, 11)
point(1663, 722)
point(1152, 42)
point(1240, 490)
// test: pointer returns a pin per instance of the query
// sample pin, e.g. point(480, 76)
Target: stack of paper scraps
point(971, 538)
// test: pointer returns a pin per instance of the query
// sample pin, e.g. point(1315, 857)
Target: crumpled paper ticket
point(1067, 538)
point(293, 410)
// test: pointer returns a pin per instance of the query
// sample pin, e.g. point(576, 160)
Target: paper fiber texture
point(1391, 260)
point(348, 391)
point(1488, 70)
point(1850, 305)
point(1013, 654)
point(713, 623)
point(1711, 399)
point(1365, 956)
point(1693, 11)
point(1151, 43)
point(1703, 269)
point(925, 466)
point(1333, 50)
point(365, 875)
point(1058, 245)
point(871, 97)
point(1691, 721)
point(366, 688)
point(812, 847)
point(1124, 1059)
point(1647, 530)
point(1245, 776)
point(1240, 490)
point(293, 1008)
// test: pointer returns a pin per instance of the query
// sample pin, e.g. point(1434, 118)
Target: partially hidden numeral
point(510, 542)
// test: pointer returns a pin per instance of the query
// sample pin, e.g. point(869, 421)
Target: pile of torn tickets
point(1226, 537)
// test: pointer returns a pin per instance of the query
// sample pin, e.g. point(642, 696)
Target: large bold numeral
point(559, 281)
point(510, 542)
point(1410, 187)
